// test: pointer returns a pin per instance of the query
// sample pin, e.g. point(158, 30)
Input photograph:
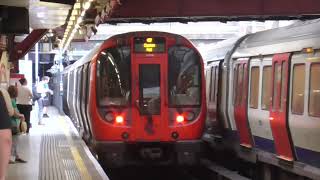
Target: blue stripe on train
point(308, 156)
point(264, 144)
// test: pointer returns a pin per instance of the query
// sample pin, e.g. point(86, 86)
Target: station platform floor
point(54, 151)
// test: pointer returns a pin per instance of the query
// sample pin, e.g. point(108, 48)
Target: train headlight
point(109, 116)
point(190, 116)
point(179, 119)
point(119, 119)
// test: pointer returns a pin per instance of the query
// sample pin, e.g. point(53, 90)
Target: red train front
point(146, 99)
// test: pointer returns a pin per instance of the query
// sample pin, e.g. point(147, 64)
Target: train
point(263, 98)
point(138, 98)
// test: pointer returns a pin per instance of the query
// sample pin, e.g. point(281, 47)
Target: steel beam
point(215, 9)
point(23, 47)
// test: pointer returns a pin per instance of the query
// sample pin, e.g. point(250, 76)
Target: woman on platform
point(24, 101)
point(15, 126)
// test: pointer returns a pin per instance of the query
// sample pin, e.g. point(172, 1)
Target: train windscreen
point(184, 77)
point(113, 77)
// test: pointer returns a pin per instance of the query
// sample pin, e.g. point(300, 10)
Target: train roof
point(86, 58)
point(286, 39)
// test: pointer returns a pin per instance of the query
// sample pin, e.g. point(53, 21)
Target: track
point(207, 171)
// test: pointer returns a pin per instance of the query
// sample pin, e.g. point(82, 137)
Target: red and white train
point(138, 97)
point(263, 97)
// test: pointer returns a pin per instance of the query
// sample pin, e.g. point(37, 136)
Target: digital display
point(149, 44)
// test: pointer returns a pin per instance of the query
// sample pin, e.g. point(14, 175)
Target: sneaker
point(45, 116)
point(12, 162)
point(19, 160)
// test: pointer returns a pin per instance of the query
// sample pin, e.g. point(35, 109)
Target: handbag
point(23, 127)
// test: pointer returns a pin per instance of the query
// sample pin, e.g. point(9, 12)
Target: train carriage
point(144, 101)
point(271, 105)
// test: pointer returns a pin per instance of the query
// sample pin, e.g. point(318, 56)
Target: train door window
point(208, 85)
point(266, 87)
point(216, 83)
point(298, 84)
point(212, 83)
point(277, 75)
point(283, 85)
point(149, 78)
point(254, 87)
point(235, 81)
point(240, 84)
point(314, 90)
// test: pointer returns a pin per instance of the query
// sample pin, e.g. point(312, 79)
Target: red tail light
point(179, 119)
point(271, 118)
point(119, 119)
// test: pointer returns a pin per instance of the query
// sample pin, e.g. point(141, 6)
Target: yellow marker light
point(308, 50)
point(146, 45)
point(149, 49)
point(149, 40)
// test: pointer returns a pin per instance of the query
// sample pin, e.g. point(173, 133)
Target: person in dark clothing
point(24, 101)
point(5, 137)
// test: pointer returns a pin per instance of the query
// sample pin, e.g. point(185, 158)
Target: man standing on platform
point(43, 90)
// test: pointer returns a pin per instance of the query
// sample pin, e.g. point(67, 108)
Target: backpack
point(35, 94)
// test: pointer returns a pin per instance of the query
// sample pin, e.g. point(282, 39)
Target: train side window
point(254, 87)
point(266, 89)
point(283, 85)
point(298, 84)
point(314, 90)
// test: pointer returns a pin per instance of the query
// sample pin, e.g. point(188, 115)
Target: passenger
point(15, 124)
point(5, 134)
point(43, 89)
point(24, 101)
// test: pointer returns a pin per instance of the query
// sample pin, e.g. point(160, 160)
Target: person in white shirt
point(42, 89)
point(24, 101)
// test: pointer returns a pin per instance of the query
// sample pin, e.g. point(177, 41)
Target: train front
point(147, 100)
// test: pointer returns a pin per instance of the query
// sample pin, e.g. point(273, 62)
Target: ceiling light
point(87, 5)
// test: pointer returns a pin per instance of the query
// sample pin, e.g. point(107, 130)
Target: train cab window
point(254, 87)
point(184, 77)
point(314, 90)
point(298, 84)
point(266, 87)
point(113, 77)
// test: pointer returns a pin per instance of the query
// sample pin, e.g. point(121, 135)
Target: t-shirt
point(5, 122)
point(24, 95)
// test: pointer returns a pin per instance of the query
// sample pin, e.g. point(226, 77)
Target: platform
point(54, 152)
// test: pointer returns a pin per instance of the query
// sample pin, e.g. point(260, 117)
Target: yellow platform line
point(74, 151)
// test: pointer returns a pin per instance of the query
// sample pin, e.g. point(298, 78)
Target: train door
point(240, 102)
point(260, 76)
point(214, 125)
point(148, 82)
point(278, 111)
